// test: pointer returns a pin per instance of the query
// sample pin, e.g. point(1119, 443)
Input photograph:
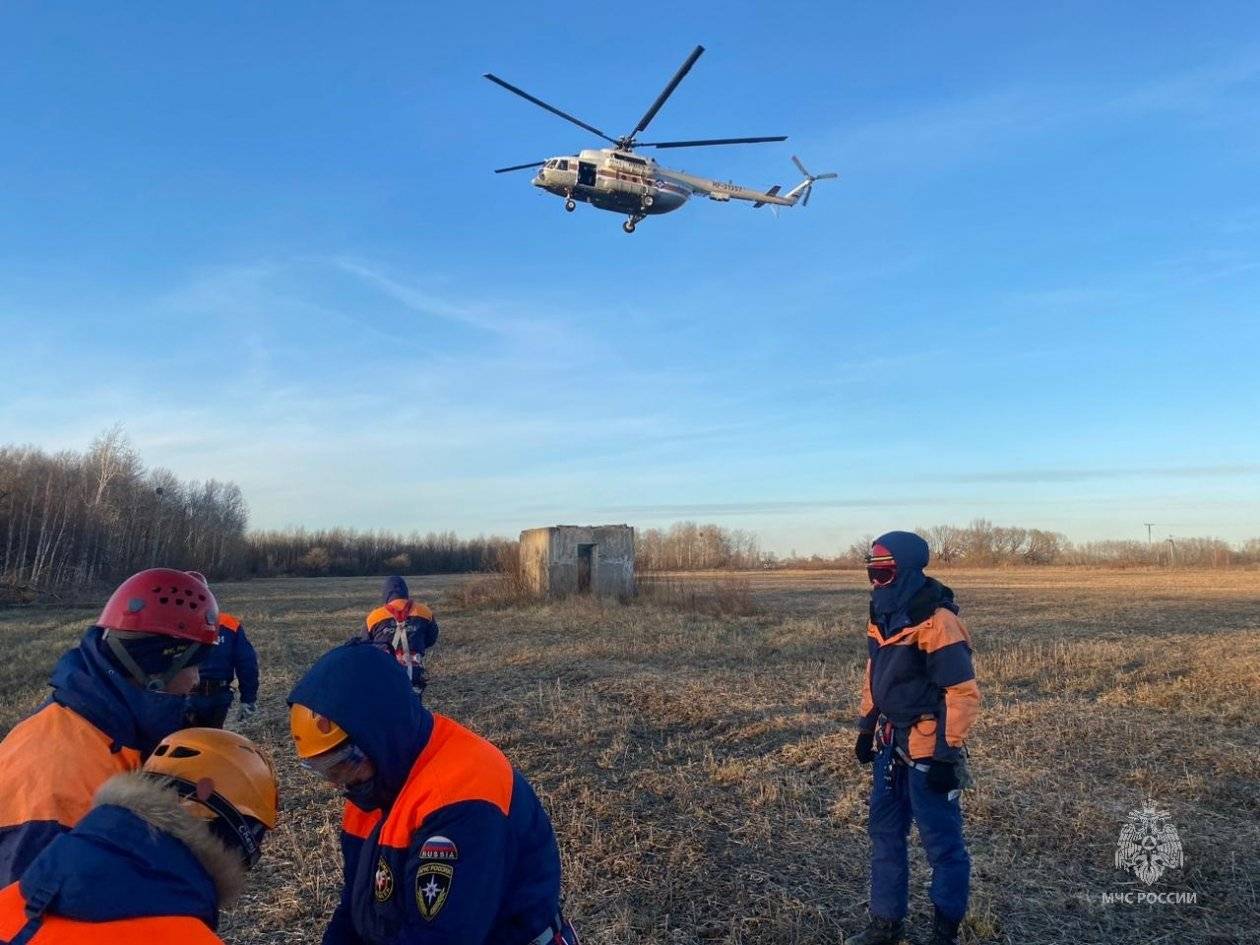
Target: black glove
point(865, 748)
point(942, 776)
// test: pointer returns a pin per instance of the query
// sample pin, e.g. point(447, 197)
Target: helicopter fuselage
point(612, 180)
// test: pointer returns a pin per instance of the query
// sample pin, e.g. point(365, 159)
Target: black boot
point(944, 930)
point(879, 932)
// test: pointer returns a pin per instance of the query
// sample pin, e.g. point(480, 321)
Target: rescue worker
point(443, 840)
point(159, 854)
point(233, 658)
point(404, 628)
point(919, 700)
point(115, 696)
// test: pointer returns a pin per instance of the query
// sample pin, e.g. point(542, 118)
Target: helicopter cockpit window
point(564, 165)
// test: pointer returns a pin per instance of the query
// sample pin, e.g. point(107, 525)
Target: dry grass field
point(698, 764)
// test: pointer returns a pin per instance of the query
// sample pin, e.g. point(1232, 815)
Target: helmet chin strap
point(238, 827)
point(115, 640)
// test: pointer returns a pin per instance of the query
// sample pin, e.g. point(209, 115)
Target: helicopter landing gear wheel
point(628, 226)
point(570, 205)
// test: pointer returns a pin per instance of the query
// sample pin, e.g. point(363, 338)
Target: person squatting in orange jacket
point(402, 627)
point(919, 700)
point(443, 840)
point(159, 854)
point(115, 696)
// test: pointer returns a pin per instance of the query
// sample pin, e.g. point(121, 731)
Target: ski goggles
point(882, 575)
point(881, 569)
point(343, 765)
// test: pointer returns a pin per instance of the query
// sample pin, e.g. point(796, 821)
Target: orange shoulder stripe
point(12, 911)
point(228, 622)
point(51, 765)
point(55, 930)
point(457, 765)
point(384, 613)
point(902, 637)
point(359, 823)
point(942, 629)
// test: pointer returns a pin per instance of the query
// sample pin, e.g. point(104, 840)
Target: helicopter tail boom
point(772, 192)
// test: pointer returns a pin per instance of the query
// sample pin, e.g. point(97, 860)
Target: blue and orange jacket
point(921, 679)
point(421, 628)
point(95, 725)
point(113, 880)
point(234, 657)
point(459, 850)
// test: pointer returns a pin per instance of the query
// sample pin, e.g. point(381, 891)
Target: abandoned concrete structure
point(579, 559)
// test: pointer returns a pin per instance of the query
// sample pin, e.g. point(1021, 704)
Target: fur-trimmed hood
point(137, 853)
point(162, 807)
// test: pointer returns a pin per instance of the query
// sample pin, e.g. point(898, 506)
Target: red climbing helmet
point(165, 602)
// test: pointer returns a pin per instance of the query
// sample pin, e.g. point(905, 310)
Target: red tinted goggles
point(881, 569)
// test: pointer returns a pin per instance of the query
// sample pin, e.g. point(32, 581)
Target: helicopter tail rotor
point(806, 187)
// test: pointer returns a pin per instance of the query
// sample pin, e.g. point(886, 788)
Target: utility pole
point(1149, 526)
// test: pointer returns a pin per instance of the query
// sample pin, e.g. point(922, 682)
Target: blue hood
point(86, 682)
point(113, 866)
point(361, 688)
point(890, 605)
point(394, 588)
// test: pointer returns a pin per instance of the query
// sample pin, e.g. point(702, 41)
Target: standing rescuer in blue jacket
point(115, 696)
point(919, 700)
point(443, 840)
point(233, 658)
point(402, 627)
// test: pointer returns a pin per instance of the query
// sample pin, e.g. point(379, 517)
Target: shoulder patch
point(439, 848)
point(384, 884)
point(433, 885)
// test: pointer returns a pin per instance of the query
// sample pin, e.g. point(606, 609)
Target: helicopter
point(620, 181)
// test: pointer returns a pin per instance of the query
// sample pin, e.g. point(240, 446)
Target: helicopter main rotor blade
point(710, 141)
point(551, 108)
point(518, 167)
point(669, 90)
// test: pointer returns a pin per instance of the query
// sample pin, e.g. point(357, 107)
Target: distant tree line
point(686, 546)
point(346, 552)
point(70, 520)
point(983, 544)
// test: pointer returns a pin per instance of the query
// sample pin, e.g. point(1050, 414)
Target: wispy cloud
point(693, 509)
point(1084, 475)
point(499, 319)
point(945, 132)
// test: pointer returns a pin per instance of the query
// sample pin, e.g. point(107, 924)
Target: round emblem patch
point(384, 886)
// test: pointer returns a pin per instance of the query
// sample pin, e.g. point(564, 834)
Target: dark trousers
point(209, 710)
point(897, 798)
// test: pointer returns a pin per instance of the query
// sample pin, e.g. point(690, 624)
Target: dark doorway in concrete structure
point(586, 556)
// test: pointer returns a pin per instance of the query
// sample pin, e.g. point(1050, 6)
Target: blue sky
point(266, 238)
